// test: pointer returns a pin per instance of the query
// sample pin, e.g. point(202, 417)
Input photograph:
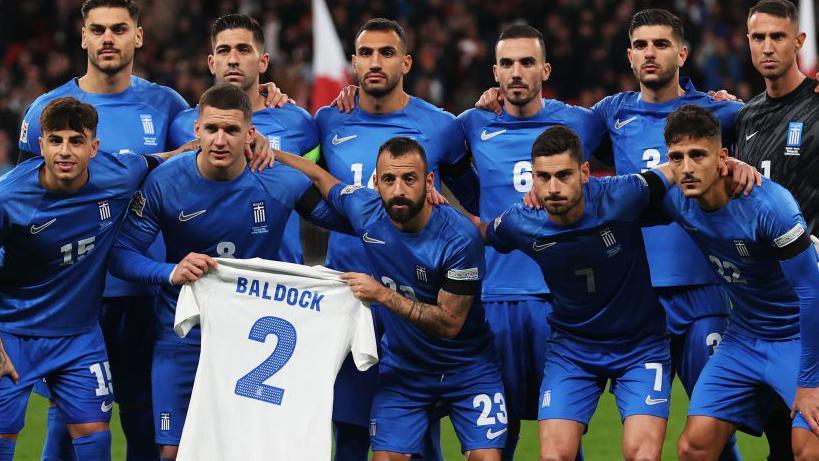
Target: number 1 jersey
point(274, 336)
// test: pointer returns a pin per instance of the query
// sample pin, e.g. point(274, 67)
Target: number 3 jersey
point(274, 336)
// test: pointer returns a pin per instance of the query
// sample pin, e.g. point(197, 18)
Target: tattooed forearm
point(444, 319)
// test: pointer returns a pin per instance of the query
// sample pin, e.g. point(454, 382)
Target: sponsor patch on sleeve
point(463, 274)
point(789, 237)
point(349, 189)
point(24, 132)
point(138, 203)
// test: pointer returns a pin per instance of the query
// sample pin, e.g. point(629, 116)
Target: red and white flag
point(807, 24)
point(330, 66)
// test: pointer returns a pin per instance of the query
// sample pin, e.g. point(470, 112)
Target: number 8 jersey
point(274, 336)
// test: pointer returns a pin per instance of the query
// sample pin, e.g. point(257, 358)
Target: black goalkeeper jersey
point(780, 136)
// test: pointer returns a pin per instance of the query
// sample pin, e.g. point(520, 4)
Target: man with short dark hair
point(516, 300)
point(761, 252)
point(205, 204)
point(238, 58)
point(135, 116)
point(428, 265)
point(382, 111)
point(606, 324)
point(59, 215)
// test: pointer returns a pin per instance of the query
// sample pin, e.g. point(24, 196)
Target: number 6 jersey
point(274, 336)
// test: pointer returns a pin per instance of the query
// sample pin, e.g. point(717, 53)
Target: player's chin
point(691, 190)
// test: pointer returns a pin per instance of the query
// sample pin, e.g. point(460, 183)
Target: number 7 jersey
point(274, 336)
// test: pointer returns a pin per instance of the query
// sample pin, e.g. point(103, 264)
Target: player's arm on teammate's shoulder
point(273, 96)
point(320, 177)
point(446, 318)
point(491, 100)
point(6, 365)
point(345, 101)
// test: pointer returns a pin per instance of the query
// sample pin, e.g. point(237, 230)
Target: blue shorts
point(354, 390)
point(684, 305)
point(522, 332)
point(741, 382)
point(173, 374)
point(75, 368)
point(691, 350)
point(405, 402)
point(575, 376)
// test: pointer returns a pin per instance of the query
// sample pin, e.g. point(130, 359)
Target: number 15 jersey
point(274, 336)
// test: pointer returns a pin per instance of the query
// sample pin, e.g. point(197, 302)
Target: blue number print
point(250, 385)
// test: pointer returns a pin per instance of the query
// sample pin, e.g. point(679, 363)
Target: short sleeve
point(364, 347)
point(504, 232)
point(453, 137)
point(464, 266)
point(30, 130)
point(782, 225)
point(626, 197)
point(187, 311)
point(591, 129)
point(181, 130)
point(310, 140)
point(356, 203)
point(138, 166)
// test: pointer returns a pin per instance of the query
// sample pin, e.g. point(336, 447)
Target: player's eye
point(674, 158)
point(364, 52)
point(505, 62)
point(388, 53)
point(639, 45)
point(528, 62)
point(119, 30)
point(97, 30)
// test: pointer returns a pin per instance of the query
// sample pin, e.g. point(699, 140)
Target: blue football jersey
point(289, 128)
point(349, 146)
point(242, 218)
point(136, 120)
point(741, 242)
point(597, 267)
point(501, 146)
point(447, 251)
point(636, 131)
point(56, 246)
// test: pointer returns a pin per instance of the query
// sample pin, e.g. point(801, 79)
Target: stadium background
point(452, 45)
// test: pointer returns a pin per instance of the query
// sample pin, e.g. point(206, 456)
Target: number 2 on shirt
point(251, 385)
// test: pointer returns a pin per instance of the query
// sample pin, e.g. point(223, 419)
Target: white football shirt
point(274, 336)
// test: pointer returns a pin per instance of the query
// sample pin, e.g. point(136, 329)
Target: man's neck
point(418, 222)
point(387, 104)
point(257, 101)
point(219, 174)
point(785, 84)
point(54, 185)
point(660, 95)
point(532, 107)
point(716, 197)
point(97, 82)
point(570, 217)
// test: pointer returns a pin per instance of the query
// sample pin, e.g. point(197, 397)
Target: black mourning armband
point(153, 161)
point(462, 282)
point(656, 189)
point(792, 243)
point(308, 201)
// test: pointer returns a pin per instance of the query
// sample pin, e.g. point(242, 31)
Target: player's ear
point(406, 65)
point(800, 40)
point(585, 172)
point(196, 128)
point(83, 35)
point(683, 56)
point(430, 180)
point(139, 36)
point(547, 71)
point(210, 65)
point(495, 72)
point(251, 135)
point(95, 147)
point(264, 61)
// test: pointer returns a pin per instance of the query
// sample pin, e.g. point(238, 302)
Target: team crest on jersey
point(794, 140)
point(372, 428)
point(259, 219)
point(138, 203)
point(612, 247)
point(149, 130)
point(165, 421)
point(547, 399)
point(421, 273)
point(105, 210)
point(275, 142)
point(24, 132)
point(742, 249)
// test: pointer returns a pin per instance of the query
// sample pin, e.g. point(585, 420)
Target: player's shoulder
point(428, 112)
point(476, 118)
point(68, 88)
point(754, 103)
point(155, 93)
point(613, 102)
point(170, 171)
point(718, 107)
point(191, 113)
point(770, 196)
point(331, 116)
point(290, 116)
point(18, 179)
point(455, 226)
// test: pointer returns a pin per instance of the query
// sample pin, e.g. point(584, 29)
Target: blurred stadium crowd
point(586, 43)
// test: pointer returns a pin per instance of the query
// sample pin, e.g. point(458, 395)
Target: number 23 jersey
point(274, 336)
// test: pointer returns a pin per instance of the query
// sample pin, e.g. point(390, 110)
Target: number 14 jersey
point(274, 336)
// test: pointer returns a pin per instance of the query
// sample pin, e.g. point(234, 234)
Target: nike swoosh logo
point(749, 136)
point(337, 140)
point(187, 217)
point(38, 229)
point(367, 239)
point(542, 246)
point(106, 408)
point(618, 124)
point(650, 401)
point(494, 435)
point(487, 136)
